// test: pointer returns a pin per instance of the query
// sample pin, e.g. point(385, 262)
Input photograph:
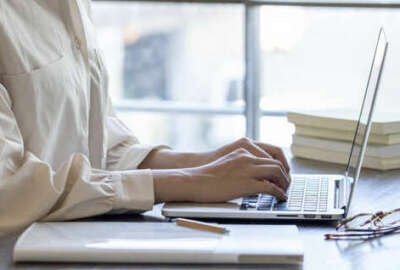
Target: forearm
point(169, 159)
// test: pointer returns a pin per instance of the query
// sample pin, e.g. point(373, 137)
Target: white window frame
point(251, 110)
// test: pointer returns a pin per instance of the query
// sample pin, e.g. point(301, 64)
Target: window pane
point(184, 132)
point(172, 51)
point(319, 59)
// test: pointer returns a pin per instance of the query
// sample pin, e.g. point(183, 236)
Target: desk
point(376, 190)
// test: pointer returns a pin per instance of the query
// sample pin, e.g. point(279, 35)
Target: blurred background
point(177, 69)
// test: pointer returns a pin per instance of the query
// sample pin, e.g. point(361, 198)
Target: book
point(158, 242)
point(342, 158)
point(378, 151)
point(383, 123)
point(342, 135)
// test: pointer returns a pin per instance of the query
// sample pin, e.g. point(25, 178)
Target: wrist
point(178, 185)
point(171, 185)
point(194, 160)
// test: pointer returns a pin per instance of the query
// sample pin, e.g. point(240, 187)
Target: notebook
point(157, 242)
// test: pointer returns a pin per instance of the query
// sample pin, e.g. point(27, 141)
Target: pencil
point(197, 225)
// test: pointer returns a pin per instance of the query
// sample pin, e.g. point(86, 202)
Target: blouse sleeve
point(124, 150)
point(31, 190)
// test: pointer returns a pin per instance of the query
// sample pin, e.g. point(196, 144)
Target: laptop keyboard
point(309, 194)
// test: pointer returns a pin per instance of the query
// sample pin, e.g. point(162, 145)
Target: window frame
point(252, 94)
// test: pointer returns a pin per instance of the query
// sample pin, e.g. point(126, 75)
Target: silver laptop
point(322, 197)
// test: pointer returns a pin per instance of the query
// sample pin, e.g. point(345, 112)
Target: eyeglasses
point(368, 225)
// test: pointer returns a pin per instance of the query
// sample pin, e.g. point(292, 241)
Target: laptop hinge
point(340, 193)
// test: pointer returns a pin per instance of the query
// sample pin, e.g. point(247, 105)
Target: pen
point(197, 225)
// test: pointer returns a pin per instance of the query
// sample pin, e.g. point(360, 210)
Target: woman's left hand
point(168, 159)
point(258, 149)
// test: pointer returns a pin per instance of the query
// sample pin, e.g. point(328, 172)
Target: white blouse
point(63, 152)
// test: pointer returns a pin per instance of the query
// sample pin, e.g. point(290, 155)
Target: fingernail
point(264, 181)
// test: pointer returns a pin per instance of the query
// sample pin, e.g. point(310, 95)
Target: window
point(318, 58)
point(176, 70)
point(191, 75)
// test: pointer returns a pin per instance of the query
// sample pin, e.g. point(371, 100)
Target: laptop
point(310, 196)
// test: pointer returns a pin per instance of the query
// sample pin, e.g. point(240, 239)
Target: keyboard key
point(310, 200)
point(281, 205)
point(263, 208)
point(309, 206)
point(243, 207)
point(265, 199)
point(305, 207)
point(296, 202)
point(294, 209)
point(284, 206)
point(297, 193)
point(251, 205)
point(295, 199)
point(306, 203)
point(310, 209)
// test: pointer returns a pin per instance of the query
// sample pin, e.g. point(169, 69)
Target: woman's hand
point(236, 174)
point(258, 149)
point(168, 159)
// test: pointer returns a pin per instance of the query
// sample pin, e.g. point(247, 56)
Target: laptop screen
point(364, 122)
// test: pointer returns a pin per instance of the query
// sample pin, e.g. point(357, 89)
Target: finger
point(256, 150)
point(272, 173)
point(275, 191)
point(248, 144)
point(272, 189)
point(229, 148)
point(276, 153)
point(263, 161)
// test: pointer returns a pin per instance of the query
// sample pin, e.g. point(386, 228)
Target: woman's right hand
point(234, 175)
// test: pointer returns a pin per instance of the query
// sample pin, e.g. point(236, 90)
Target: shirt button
point(77, 43)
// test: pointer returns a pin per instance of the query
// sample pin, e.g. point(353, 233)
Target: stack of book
point(328, 136)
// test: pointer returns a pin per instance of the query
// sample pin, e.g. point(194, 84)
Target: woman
point(63, 152)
